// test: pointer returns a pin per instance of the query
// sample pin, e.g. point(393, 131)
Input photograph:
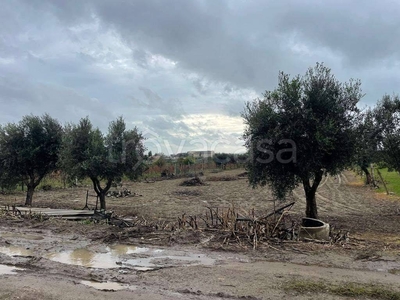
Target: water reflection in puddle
point(15, 250)
point(117, 255)
point(107, 286)
point(8, 270)
point(85, 258)
point(126, 249)
point(143, 268)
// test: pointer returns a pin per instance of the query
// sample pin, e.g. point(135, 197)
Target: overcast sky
point(181, 70)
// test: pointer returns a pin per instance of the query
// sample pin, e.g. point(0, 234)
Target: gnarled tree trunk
point(29, 194)
point(310, 190)
point(101, 192)
point(30, 188)
point(368, 179)
point(31, 184)
point(102, 199)
point(311, 205)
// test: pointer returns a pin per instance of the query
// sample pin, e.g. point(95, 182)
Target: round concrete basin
point(314, 229)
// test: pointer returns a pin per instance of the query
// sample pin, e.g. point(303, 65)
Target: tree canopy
point(368, 136)
point(387, 118)
point(29, 150)
point(86, 152)
point(301, 129)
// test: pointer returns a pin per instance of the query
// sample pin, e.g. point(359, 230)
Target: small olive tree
point(87, 153)
point(368, 135)
point(303, 128)
point(387, 118)
point(29, 150)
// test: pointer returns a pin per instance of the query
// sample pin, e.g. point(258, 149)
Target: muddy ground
point(59, 259)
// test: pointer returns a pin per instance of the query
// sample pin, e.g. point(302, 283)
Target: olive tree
point(87, 153)
point(29, 150)
point(387, 118)
point(368, 136)
point(302, 129)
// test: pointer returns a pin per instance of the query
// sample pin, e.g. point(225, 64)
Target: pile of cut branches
point(235, 225)
point(195, 181)
point(222, 178)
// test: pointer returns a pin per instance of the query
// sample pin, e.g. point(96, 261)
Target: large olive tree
point(29, 150)
point(87, 153)
point(301, 129)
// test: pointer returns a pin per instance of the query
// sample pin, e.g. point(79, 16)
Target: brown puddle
point(127, 256)
point(15, 250)
point(8, 270)
point(86, 258)
point(108, 285)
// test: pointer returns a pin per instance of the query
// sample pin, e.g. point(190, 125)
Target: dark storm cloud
point(364, 32)
point(20, 96)
point(199, 35)
point(247, 42)
point(160, 63)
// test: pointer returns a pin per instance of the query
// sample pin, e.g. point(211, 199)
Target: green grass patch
point(350, 289)
point(392, 180)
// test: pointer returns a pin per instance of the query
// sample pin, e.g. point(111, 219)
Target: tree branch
point(96, 185)
point(317, 179)
point(109, 182)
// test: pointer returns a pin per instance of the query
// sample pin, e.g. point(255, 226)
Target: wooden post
point(87, 197)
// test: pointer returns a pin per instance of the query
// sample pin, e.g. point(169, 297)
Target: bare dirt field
point(156, 259)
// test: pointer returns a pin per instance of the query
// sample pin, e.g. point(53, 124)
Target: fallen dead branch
point(244, 229)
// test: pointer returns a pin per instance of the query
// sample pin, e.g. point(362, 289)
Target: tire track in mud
point(334, 197)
